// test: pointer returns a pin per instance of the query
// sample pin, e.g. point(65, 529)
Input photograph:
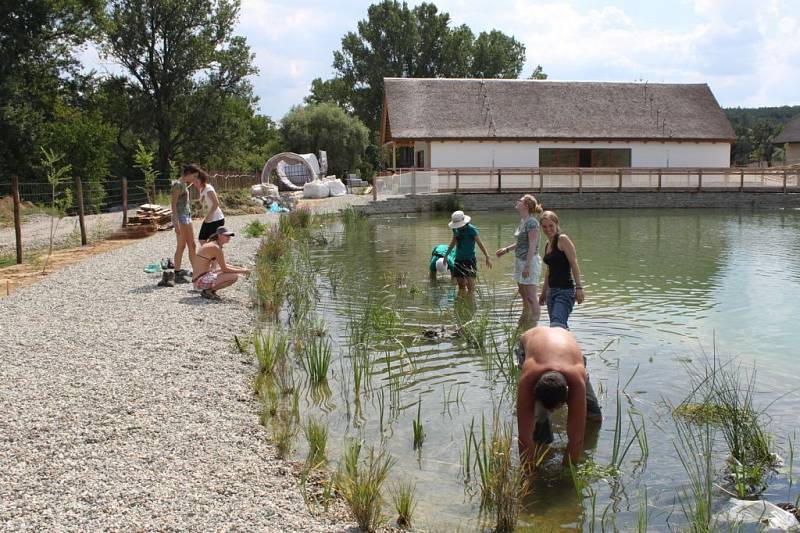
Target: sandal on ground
point(209, 294)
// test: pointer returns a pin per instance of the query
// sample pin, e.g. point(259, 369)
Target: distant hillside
point(748, 116)
point(755, 129)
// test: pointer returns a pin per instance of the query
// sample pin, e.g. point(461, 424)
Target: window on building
point(584, 157)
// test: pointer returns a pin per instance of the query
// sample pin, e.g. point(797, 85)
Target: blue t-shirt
point(521, 234)
point(465, 242)
point(439, 251)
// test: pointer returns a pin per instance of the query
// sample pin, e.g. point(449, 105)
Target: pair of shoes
point(209, 294)
point(167, 279)
point(183, 276)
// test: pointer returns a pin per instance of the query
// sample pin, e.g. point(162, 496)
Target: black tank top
point(559, 273)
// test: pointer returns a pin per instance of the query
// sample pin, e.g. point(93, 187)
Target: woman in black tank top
point(562, 282)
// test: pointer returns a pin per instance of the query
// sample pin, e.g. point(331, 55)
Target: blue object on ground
point(152, 268)
point(275, 208)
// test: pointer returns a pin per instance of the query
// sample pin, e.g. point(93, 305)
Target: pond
point(664, 289)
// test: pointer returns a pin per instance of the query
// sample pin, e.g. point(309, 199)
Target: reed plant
point(405, 503)
point(360, 482)
point(500, 480)
point(316, 359)
point(694, 446)
point(271, 348)
point(419, 430)
point(317, 438)
point(284, 431)
point(350, 215)
point(300, 218)
point(268, 408)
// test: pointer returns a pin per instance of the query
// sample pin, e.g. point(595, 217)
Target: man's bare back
point(552, 350)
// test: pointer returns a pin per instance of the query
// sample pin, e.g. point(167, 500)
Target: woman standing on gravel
point(182, 218)
point(562, 283)
point(214, 217)
point(526, 258)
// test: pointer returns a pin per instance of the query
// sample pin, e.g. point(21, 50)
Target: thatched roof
point(431, 109)
point(790, 132)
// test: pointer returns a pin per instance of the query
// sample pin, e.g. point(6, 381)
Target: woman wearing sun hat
point(465, 237)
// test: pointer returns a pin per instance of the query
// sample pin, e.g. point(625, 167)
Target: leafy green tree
point(143, 162)
point(397, 41)
point(762, 135)
point(88, 144)
point(182, 60)
point(497, 55)
point(538, 74)
point(37, 39)
point(326, 127)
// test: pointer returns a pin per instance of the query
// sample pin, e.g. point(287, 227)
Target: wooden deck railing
point(562, 179)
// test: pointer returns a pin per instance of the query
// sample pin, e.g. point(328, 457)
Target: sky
point(747, 51)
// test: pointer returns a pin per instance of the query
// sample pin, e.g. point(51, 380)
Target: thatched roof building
point(418, 111)
point(790, 137)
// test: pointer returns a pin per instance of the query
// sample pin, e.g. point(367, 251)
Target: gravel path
point(125, 406)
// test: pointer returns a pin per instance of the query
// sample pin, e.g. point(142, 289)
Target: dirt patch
point(14, 277)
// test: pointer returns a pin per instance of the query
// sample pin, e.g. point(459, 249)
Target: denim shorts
point(184, 219)
point(560, 302)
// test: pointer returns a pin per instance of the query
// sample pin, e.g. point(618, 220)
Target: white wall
point(510, 154)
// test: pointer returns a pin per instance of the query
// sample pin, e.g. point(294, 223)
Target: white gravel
point(36, 230)
point(126, 407)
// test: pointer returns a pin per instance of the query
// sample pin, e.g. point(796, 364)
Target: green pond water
point(663, 287)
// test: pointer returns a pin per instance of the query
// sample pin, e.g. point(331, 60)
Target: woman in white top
point(214, 217)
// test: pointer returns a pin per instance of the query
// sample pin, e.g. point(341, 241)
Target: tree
point(538, 74)
point(37, 38)
point(326, 127)
point(182, 60)
point(399, 41)
point(497, 55)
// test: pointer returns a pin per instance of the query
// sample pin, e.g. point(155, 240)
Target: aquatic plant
point(255, 228)
point(317, 359)
point(270, 348)
point(317, 437)
point(299, 218)
point(360, 483)
point(419, 431)
point(350, 215)
point(449, 204)
point(404, 503)
point(284, 431)
point(694, 447)
point(268, 399)
point(476, 331)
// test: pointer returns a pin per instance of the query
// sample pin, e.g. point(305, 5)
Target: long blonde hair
point(534, 207)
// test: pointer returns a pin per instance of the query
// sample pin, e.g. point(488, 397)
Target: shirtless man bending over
point(554, 373)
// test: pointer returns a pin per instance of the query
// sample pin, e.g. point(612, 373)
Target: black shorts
point(465, 268)
point(208, 229)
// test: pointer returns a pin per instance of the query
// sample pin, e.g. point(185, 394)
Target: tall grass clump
point(300, 218)
point(272, 271)
point(351, 215)
point(360, 483)
point(316, 359)
point(317, 438)
point(500, 480)
point(284, 430)
point(405, 503)
point(723, 394)
point(270, 349)
point(694, 447)
point(255, 228)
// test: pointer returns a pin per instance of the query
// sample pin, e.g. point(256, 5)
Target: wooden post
point(580, 180)
point(541, 181)
point(375, 189)
point(741, 180)
point(79, 196)
point(784, 182)
point(124, 202)
point(659, 179)
point(499, 180)
point(17, 217)
point(699, 179)
point(458, 184)
point(619, 175)
point(414, 182)
point(394, 157)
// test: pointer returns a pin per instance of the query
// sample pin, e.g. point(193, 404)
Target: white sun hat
point(458, 219)
point(441, 265)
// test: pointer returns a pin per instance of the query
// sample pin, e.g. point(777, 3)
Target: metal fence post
point(659, 179)
point(699, 179)
point(17, 217)
point(457, 180)
point(499, 180)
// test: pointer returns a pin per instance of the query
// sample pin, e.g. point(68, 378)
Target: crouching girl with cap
point(465, 237)
point(212, 273)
